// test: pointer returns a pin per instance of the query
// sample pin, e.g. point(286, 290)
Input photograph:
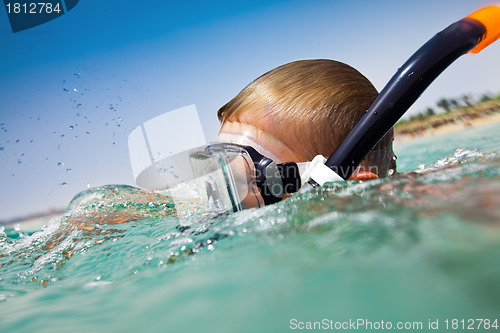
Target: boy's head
point(301, 109)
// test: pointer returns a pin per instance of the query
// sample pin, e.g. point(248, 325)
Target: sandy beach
point(451, 127)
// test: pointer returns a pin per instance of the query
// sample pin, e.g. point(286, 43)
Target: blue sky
point(74, 88)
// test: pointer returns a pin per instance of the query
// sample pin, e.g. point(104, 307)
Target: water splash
point(429, 236)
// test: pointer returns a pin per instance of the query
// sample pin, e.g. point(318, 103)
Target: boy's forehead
point(263, 121)
point(279, 149)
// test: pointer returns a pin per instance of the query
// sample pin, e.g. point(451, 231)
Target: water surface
point(416, 247)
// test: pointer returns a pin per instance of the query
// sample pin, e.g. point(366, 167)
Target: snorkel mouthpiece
point(470, 34)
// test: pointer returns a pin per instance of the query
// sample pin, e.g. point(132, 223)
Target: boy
point(305, 108)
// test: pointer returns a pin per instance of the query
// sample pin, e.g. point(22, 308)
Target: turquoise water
point(419, 247)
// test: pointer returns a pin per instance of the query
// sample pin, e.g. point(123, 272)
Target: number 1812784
point(471, 324)
point(32, 8)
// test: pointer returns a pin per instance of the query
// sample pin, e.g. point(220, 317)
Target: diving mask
point(219, 177)
point(223, 178)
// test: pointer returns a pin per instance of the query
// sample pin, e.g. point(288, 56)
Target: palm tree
point(467, 100)
point(486, 98)
point(444, 104)
point(454, 103)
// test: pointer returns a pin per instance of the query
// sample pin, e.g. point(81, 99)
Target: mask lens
point(229, 173)
point(222, 180)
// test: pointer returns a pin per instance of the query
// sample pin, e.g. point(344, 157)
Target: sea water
point(418, 251)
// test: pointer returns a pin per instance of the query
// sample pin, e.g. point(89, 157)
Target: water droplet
point(78, 105)
point(68, 170)
point(375, 113)
point(77, 75)
point(17, 141)
point(63, 184)
point(74, 89)
point(64, 81)
point(71, 127)
point(2, 125)
point(1, 148)
point(19, 162)
point(66, 90)
point(60, 164)
point(62, 135)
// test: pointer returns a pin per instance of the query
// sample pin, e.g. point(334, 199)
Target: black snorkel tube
point(473, 32)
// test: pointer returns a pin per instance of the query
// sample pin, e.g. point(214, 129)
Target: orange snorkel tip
point(470, 34)
point(490, 18)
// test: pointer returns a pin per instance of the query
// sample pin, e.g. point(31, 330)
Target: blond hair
point(319, 101)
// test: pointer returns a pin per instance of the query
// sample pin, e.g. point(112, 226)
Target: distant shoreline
point(457, 120)
point(33, 221)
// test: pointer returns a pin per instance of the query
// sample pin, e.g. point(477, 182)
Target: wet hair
point(319, 101)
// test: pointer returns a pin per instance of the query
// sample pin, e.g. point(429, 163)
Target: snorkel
point(468, 35)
